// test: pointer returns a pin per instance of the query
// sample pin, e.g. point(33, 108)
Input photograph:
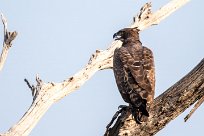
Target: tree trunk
point(166, 107)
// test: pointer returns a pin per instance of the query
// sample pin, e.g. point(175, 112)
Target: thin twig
point(27, 82)
point(50, 94)
point(32, 87)
point(4, 21)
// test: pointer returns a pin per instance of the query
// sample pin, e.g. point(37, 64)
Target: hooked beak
point(116, 36)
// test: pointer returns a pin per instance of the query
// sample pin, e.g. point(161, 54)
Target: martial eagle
point(133, 67)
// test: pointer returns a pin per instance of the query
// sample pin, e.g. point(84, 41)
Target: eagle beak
point(116, 36)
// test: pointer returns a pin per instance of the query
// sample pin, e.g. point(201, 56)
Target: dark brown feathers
point(133, 67)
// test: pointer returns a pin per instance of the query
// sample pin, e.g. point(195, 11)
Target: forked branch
point(49, 93)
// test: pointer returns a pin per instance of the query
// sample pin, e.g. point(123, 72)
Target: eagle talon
point(138, 120)
point(137, 115)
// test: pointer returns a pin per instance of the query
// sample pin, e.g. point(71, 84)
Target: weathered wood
point(45, 94)
point(199, 102)
point(166, 107)
point(8, 38)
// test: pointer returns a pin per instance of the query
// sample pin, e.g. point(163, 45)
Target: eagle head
point(126, 33)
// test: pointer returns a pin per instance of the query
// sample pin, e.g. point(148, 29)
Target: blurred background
point(56, 39)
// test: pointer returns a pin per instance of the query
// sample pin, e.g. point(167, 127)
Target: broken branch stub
point(51, 92)
point(7, 42)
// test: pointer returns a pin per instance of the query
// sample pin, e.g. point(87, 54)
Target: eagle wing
point(139, 64)
point(119, 73)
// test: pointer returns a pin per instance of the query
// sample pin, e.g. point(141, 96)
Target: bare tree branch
point(166, 107)
point(48, 93)
point(146, 19)
point(8, 38)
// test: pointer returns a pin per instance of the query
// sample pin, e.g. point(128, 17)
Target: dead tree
point(166, 107)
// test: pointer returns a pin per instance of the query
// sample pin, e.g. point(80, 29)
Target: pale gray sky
point(56, 39)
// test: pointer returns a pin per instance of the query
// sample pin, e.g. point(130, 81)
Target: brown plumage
point(133, 67)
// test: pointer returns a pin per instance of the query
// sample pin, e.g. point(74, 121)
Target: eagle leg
point(138, 112)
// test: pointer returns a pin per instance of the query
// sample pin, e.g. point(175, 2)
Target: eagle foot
point(138, 119)
point(137, 115)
